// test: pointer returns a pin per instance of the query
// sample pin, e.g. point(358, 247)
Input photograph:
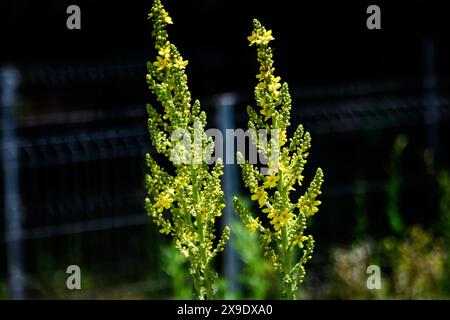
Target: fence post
point(9, 78)
point(225, 119)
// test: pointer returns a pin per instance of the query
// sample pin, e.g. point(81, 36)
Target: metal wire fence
point(73, 173)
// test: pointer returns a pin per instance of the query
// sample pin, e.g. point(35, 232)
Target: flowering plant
point(283, 238)
point(184, 204)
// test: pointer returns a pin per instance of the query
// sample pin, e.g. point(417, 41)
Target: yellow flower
point(253, 225)
point(165, 200)
point(257, 38)
point(261, 196)
point(274, 167)
point(264, 110)
point(180, 63)
point(267, 37)
point(282, 219)
point(299, 240)
point(308, 206)
point(274, 79)
point(278, 219)
point(166, 229)
point(165, 52)
point(270, 212)
point(253, 38)
point(282, 137)
point(179, 181)
point(271, 181)
point(274, 85)
point(276, 222)
point(282, 167)
point(162, 63)
point(167, 19)
point(190, 237)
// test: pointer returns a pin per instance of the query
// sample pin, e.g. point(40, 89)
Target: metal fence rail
point(77, 179)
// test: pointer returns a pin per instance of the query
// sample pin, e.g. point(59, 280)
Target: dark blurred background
point(74, 127)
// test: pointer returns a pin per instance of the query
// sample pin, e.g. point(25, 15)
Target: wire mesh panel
point(81, 168)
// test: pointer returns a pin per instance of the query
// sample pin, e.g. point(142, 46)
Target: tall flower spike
point(283, 238)
point(185, 204)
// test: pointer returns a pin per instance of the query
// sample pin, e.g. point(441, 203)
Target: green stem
point(209, 291)
point(203, 256)
point(287, 264)
point(286, 253)
point(196, 279)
